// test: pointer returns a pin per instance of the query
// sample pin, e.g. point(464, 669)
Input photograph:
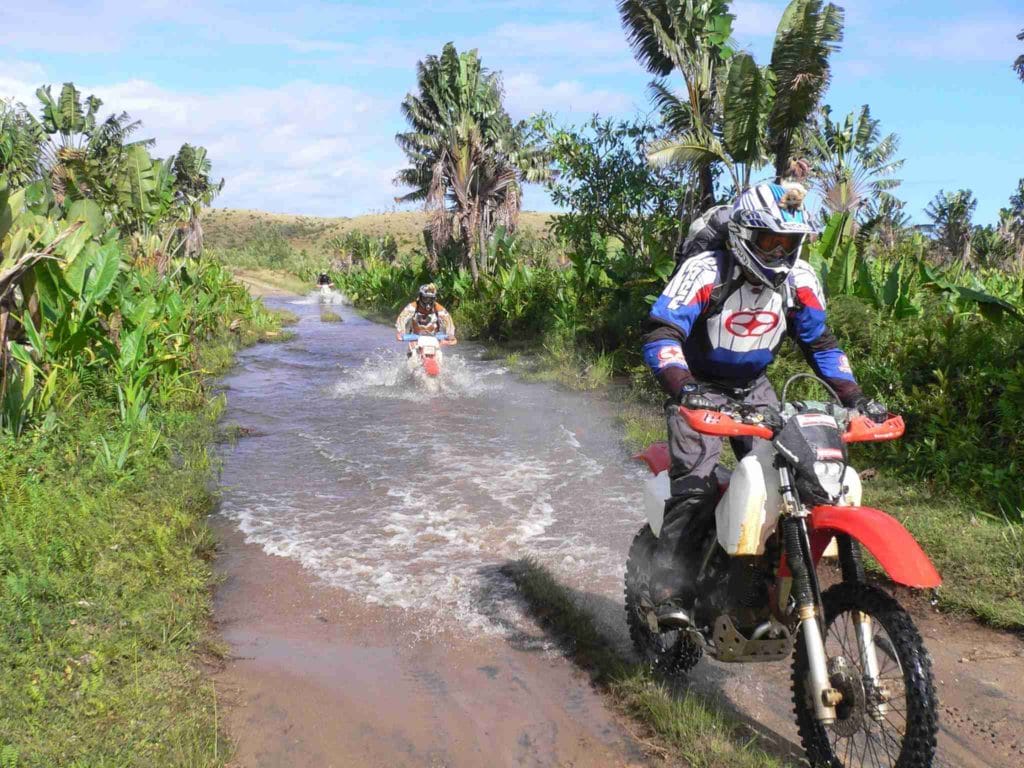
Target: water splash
point(387, 375)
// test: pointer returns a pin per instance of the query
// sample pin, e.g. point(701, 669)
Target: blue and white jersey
point(737, 343)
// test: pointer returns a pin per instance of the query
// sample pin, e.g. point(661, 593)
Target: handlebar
point(747, 421)
point(416, 336)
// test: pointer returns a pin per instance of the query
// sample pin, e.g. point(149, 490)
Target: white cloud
point(526, 94)
point(302, 147)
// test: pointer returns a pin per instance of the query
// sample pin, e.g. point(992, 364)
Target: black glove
point(873, 409)
point(691, 396)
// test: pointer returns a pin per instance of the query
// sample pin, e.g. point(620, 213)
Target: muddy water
point(402, 495)
point(363, 521)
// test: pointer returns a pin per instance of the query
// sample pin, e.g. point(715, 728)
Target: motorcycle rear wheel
point(901, 736)
point(671, 653)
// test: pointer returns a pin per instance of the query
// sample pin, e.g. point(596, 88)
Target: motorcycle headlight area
point(830, 476)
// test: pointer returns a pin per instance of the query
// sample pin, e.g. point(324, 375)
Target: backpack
point(710, 232)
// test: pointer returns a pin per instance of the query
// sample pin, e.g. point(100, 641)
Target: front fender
point(884, 537)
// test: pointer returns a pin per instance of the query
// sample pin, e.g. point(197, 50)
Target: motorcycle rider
point(324, 279)
point(425, 317)
point(710, 336)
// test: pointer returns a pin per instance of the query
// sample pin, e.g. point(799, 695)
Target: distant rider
point(711, 335)
point(426, 317)
point(324, 279)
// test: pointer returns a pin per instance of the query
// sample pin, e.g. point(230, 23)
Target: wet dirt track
point(362, 525)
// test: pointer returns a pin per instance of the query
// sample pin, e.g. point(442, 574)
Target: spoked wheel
point(887, 719)
point(669, 653)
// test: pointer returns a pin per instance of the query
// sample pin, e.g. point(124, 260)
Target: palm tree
point(468, 159)
point(951, 213)
point(809, 32)
point(761, 111)
point(1011, 222)
point(747, 99)
point(83, 156)
point(852, 163)
point(884, 218)
point(194, 190)
point(1018, 65)
point(690, 37)
point(21, 138)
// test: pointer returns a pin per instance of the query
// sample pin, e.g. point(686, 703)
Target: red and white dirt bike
point(425, 352)
point(861, 676)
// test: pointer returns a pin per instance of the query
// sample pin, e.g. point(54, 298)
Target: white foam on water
point(316, 297)
point(387, 375)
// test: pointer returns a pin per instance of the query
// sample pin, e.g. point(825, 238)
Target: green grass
point(327, 316)
point(105, 587)
point(981, 559)
point(681, 725)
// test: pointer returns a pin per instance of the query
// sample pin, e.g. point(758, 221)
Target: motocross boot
point(676, 558)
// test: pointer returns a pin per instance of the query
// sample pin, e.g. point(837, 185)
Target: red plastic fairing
point(884, 537)
point(863, 430)
point(722, 425)
point(656, 456)
point(430, 366)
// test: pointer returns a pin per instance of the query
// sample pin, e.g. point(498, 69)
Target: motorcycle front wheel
point(888, 720)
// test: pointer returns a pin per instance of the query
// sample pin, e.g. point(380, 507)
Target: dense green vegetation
point(111, 324)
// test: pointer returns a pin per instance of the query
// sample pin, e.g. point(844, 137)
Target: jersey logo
point(748, 324)
point(669, 356)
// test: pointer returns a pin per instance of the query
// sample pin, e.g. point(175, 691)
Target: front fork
point(853, 570)
point(807, 594)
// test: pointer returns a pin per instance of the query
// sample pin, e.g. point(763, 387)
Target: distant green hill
point(229, 228)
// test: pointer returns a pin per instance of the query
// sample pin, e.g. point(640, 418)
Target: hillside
point(230, 228)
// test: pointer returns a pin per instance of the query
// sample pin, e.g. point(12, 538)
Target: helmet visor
point(777, 249)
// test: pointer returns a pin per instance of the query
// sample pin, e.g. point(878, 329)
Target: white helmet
point(767, 231)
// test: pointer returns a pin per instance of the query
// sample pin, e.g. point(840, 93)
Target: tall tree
point(194, 190)
point(82, 155)
point(809, 33)
point(951, 214)
point(690, 37)
point(21, 139)
point(852, 164)
point(1018, 65)
point(760, 111)
point(467, 158)
point(1011, 222)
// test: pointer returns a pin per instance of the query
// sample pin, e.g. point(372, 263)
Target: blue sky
point(298, 102)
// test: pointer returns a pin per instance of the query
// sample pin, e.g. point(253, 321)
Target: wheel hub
point(851, 710)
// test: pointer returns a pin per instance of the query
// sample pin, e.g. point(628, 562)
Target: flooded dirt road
point(363, 524)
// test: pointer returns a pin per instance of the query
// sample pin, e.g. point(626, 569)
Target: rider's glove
point(691, 396)
point(873, 409)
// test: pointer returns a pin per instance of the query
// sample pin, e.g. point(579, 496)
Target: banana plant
point(898, 290)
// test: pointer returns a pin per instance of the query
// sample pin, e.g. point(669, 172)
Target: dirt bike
point(425, 352)
point(861, 676)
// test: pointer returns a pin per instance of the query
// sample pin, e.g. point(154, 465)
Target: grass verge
point(104, 597)
point(981, 559)
point(683, 726)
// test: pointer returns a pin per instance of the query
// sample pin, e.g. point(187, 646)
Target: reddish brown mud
point(317, 678)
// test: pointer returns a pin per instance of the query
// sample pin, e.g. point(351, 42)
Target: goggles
point(777, 249)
